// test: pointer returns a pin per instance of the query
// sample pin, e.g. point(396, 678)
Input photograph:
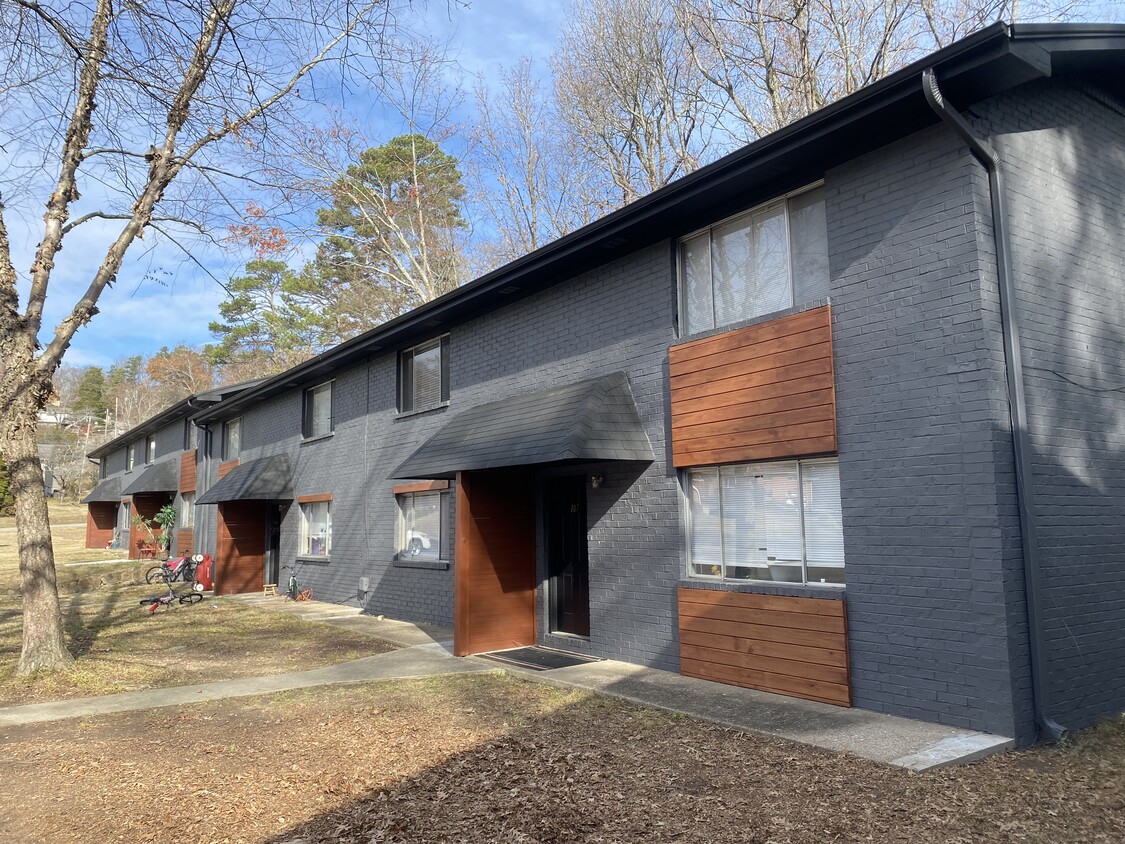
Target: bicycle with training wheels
point(295, 592)
point(164, 602)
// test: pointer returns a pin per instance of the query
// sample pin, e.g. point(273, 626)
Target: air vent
point(511, 288)
point(433, 322)
point(614, 242)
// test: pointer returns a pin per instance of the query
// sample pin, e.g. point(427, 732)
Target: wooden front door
point(241, 551)
point(494, 576)
point(568, 564)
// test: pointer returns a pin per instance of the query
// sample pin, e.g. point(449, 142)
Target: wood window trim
point(315, 499)
point(421, 486)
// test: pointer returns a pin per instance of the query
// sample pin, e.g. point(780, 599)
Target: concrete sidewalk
point(425, 651)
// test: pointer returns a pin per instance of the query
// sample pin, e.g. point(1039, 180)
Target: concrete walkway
point(425, 651)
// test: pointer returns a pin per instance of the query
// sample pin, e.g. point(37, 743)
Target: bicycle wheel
point(191, 598)
point(156, 574)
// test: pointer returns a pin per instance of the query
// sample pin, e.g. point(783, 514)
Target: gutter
point(1017, 402)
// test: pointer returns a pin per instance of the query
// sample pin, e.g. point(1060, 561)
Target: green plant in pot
point(165, 518)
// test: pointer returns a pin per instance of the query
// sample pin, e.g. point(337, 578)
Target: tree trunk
point(43, 644)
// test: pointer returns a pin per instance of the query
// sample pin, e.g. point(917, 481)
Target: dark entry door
point(273, 542)
point(568, 567)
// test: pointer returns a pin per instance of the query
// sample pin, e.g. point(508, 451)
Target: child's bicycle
point(157, 602)
point(295, 592)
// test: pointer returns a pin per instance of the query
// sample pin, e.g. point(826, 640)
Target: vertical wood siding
point(773, 643)
point(755, 393)
point(241, 547)
point(187, 471)
point(101, 517)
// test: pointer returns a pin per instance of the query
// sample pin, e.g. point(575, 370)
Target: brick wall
point(1063, 160)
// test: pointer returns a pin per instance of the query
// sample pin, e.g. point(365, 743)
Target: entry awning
point(264, 479)
point(107, 490)
point(159, 477)
point(589, 421)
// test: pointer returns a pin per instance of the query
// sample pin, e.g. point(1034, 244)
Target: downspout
point(1017, 402)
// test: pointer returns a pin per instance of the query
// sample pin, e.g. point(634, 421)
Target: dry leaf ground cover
point(119, 646)
point(491, 759)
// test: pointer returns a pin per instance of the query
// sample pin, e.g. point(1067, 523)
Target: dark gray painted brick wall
point(1063, 153)
point(916, 380)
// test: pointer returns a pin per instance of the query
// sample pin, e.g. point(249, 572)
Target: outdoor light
point(597, 480)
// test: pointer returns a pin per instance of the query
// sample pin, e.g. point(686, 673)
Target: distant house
point(838, 416)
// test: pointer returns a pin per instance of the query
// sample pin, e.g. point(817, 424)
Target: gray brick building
point(812, 334)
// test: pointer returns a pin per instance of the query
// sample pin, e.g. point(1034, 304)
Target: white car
point(417, 542)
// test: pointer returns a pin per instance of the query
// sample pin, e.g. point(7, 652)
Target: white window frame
point(308, 399)
point(150, 450)
point(685, 327)
point(130, 457)
point(402, 550)
point(723, 577)
point(306, 536)
point(225, 443)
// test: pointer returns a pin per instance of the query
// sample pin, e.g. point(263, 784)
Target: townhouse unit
point(144, 469)
point(839, 416)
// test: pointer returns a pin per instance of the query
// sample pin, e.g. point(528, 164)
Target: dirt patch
point(484, 758)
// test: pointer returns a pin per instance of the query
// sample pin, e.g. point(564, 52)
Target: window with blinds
point(760, 262)
point(766, 521)
point(318, 417)
point(423, 376)
point(423, 526)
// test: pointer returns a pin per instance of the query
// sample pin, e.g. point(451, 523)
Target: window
point(318, 417)
point(423, 525)
point(189, 435)
point(187, 510)
point(766, 521)
point(316, 529)
point(123, 520)
point(232, 439)
point(763, 261)
point(150, 450)
point(423, 376)
point(131, 457)
point(103, 468)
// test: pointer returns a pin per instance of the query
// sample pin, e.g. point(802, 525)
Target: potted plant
point(165, 518)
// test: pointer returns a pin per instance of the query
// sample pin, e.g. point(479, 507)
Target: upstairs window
point(776, 521)
point(189, 435)
point(131, 457)
point(103, 468)
point(423, 376)
point(232, 439)
point(766, 260)
point(150, 450)
point(318, 418)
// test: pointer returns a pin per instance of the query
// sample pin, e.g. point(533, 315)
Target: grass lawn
point(120, 647)
point(486, 758)
point(61, 514)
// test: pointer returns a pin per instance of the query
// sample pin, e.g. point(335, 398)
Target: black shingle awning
point(159, 477)
point(107, 490)
point(589, 421)
point(264, 479)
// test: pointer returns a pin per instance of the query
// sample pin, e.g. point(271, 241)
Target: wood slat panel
point(773, 643)
point(101, 519)
point(313, 499)
point(494, 575)
point(420, 486)
point(719, 343)
point(240, 563)
point(185, 540)
point(187, 471)
point(225, 468)
point(778, 374)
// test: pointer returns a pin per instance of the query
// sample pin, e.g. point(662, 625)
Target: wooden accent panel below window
point(187, 471)
point(421, 486)
point(494, 574)
point(755, 393)
point(185, 540)
point(225, 468)
point(313, 499)
point(101, 519)
point(773, 643)
point(241, 547)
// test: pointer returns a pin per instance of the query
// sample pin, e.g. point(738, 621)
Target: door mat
point(538, 659)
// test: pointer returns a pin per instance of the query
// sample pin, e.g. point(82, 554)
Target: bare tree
point(529, 181)
point(627, 87)
point(770, 62)
point(130, 118)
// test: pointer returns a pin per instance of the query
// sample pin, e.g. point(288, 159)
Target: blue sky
point(163, 299)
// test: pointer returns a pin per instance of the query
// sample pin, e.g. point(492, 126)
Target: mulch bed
point(486, 758)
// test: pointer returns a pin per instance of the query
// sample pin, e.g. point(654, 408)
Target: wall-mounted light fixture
point(597, 480)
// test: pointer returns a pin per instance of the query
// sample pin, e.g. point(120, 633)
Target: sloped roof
point(159, 477)
point(107, 490)
point(264, 479)
point(587, 421)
